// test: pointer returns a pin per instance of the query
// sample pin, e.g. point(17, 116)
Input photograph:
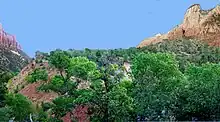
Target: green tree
point(81, 67)
point(4, 78)
point(61, 106)
point(19, 105)
point(202, 93)
point(120, 105)
point(5, 114)
point(156, 85)
point(105, 96)
point(60, 60)
point(4, 111)
point(108, 100)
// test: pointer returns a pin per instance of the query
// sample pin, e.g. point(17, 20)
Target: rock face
point(198, 24)
point(8, 40)
point(12, 58)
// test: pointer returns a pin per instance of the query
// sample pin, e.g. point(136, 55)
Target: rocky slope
point(29, 90)
point(198, 24)
point(12, 58)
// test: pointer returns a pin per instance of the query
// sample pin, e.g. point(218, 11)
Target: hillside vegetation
point(168, 81)
point(11, 60)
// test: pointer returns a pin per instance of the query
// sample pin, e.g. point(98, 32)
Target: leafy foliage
point(61, 106)
point(19, 105)
point(187, 51)
point(5, 114)
point(42, 116)
point(58, 85)
point(4, 78)
point(81, 67)
point(202, 93)
point(57, 81)
point(171, 80)
point(157, 79)
point(158, 90)
point(60, 60)
point(104, 97)
point(36, 75)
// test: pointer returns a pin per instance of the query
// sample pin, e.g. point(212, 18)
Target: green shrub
point(55, 84)
point(58, 86)
point(46, 87)
point(42, 116)
point(36, 75)
point(29, 79)
point(46, 106)
point(57, 81)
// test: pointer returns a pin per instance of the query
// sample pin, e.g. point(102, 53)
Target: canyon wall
point(8, 40)
point(198, 24)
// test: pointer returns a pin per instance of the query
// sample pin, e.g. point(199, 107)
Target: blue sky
point(49, 24)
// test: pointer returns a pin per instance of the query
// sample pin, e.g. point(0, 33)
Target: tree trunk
point(31, 118)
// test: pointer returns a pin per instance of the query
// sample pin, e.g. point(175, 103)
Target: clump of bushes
point(36, 75)
point(57, 84)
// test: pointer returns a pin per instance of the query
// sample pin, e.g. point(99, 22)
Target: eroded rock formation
point(8, 40)
point(12, 58)
point(198, 24)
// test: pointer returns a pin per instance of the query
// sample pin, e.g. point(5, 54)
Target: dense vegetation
point(171, 80)
point(36, 75)
point(11, 61)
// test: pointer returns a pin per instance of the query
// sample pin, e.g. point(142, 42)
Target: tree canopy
point(168, 81)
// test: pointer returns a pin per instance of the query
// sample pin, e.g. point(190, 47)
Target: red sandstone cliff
point(12, 58)
point(7, 40)
point(198, 24)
